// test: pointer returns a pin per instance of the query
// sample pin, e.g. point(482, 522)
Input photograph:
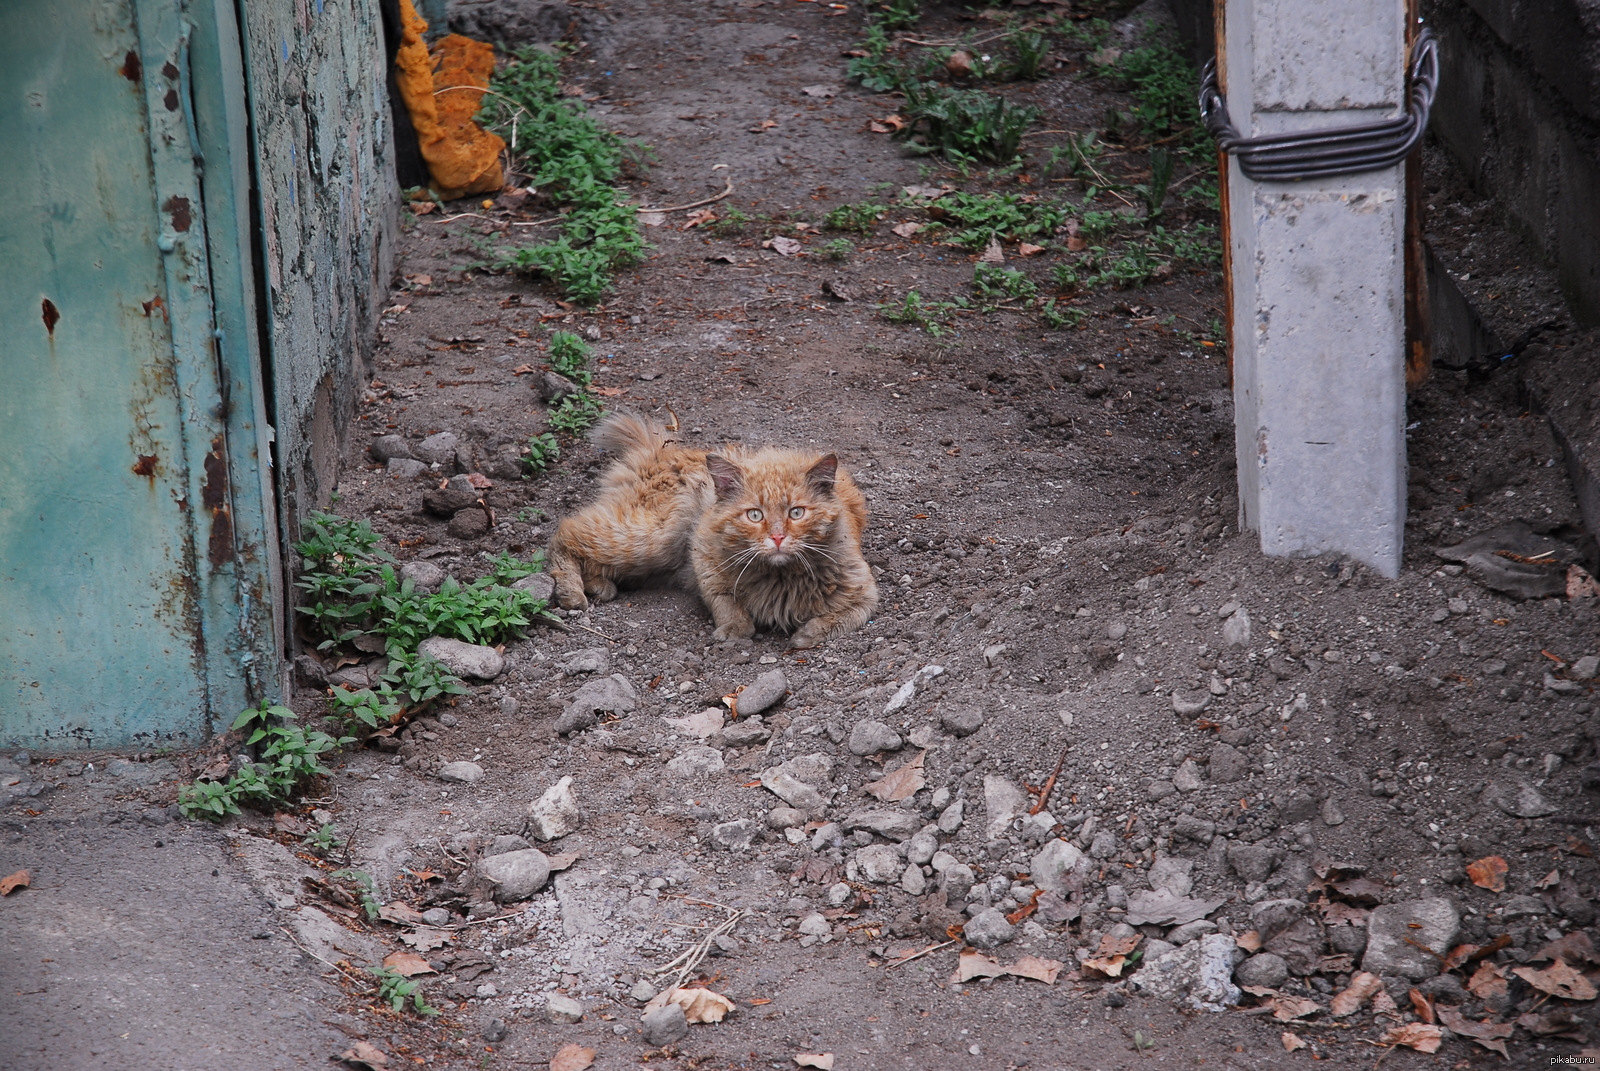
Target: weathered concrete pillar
point(1318, 279)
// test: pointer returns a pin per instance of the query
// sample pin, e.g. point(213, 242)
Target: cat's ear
point(725, 475)
point(821, 475)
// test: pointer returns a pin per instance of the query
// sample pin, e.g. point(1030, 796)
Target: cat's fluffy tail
point(624, 433)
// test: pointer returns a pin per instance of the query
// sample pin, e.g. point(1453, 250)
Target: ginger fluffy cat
point(769, 539)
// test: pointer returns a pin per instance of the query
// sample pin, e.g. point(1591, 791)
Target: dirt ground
point(1054, 523)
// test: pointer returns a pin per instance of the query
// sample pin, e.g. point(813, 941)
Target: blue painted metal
point(136, 551)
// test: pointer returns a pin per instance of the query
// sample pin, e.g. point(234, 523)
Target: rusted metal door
point(136, 558)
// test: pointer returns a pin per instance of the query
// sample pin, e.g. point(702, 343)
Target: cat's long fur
point(665, 509)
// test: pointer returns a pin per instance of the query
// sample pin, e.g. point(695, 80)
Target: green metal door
point(136, 557)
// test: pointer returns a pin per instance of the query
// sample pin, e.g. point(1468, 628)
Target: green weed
point(396, 990)
point(982, 217)
point(287, 757)
point(1065, 276)
point(1165, 89)
point(1154, 193)
point(860, 217)
point(1054, 315)
point(838, 249)
point(993, 283)
point(732, 222)
point(324, 841)
point(966, 124)
point(912, 309)
point(569, 356)
point(1032, 48)
point(481, 612)
point(576, 414)
point(896, 14)
point(542, 450)
point(507, 570)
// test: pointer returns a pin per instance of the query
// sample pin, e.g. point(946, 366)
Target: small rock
point(1332, 813)
point(509, 706)
point(893, 824)
point(1432, 922)
point(1585, 668)
point(870, 737)
point(1038, 828)
point(1228, 764)
point(595, 700)
point(1182, 935)
point(941, 860)
point(589, 660)
point(1117, 895)
point(1160, 790)
point(540, 585)
point(439, 448)
point(746, 733)
point(555, 814)
point(955, 881)
point(1054, 866)
point(405, 468)
point(1104, 845)
point(468, 524)
point(1188, 779)
point(1236, 630)
point(1174, 874)
point(386, 447)
point(505, 842)
point(1252, 862)
point(988, 929)
point(1516, 798)
point(912, 880)
point(838, 894)
point(950, 818)
point(460, 773)
point(665, 1025)
point(515, 875)
point(921, 848)
point(562, 1009)
point(1523, 907)
point(785, 818)
point(1272, 917)
point(1263, 969)
point(553, 386)
point(879, 863)
point(762, 693)
point(493, 1030)
point(436, 916)
point(814, 925)
point(961, 722)
point(736, 835)
point(424, 576)
point(1190, 705)
point(1189, 827)
point(450, 500)
point(1002, 802)
point(464, 659)
point(697, 760)
point(642, 991)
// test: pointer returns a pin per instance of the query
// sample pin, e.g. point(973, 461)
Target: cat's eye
point(797, 512)
point(754, 514)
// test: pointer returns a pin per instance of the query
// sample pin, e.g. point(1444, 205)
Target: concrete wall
point(329, 209)
point(1519, 109)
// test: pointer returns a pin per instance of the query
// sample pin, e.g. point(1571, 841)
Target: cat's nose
point(777, 540)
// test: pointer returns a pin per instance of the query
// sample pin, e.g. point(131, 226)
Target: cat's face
point(777, 512)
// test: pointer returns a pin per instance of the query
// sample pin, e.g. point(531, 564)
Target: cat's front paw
point(734, 632)
point(571, 600)
point(808, 636)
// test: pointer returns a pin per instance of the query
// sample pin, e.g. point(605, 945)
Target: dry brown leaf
point(564, 860)
point(1117, 946)
point(763, 126)
point(1549, 881)
point(11, 883)
point(425, 938)
point(1292, 1041)
point(1489, 1034)
point(1029, 250)
point(1574, 947)
point(1553, 1023)
point(1349, 999)
point(900, 783)
point(1488, 873)
point(1559, 980)
point(824, 1060)
point(1043, 970)
point(1286, 1007)
point(1250, 941)
point(784, 247)
point(400, 913)
point(1580, 585)
point(1110, 966)
point(1420, 1036)
point(608, 392)
point(1383, 1004)
point(407, 963)
point(1421, 1005)
point(699, 1005)
point(571, 1057)
point(906, 229)
point(365, 1054)
point(699, 219)
point(1487, 981)
point(1076, 244)
point(974, 964)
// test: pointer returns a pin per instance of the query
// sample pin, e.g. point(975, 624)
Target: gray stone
point(1002, 802)
point(553, 386)
point(793, 791)
point(1182, 935)
point(961, 722)
point(785, 818)
point(464, 659)
point(1188, 778)
point(1189, 705)
point(1332, 813)
point(893, 824)
point(386, 447)
point(589, 660)
point(404, 468)
point(1058, 867)
point(746, 733)
point(1295, 807)
point(555, 813)
point(1523, 907)
point(1432, 922)
point(1228, 764)
point(642, 991)
point(735, 835)
point(988, 929)
point(912, 880)
point(955, 881)
point(595, 700)
point(1516, 798)
point(1262, 969)
point(762, 693)
point(493, 1030)
point(1164, 909)
point(1348, 939)
point(665, 1025)
point(1271, 917)
point(1189, 827)
point(942, 859)
point(870, 737)
point(506, 842)
point(1236, 630)
point(515, 875)
point(1038, 828)
point(1197, 975)
point(1172, 874)
point(1160, 790)
point(879, 863)
point(468, 524)
point(838, 895)
point(540, 585)
point(1252, 862)
point(439, 448)
point(1104, 845)
point(450, 500)
point(438, 916)
point(424, 576)
point(1586, 668)
point(460, 773)
point(696, 760)
point(562, 1009)
point(950, 818)
point(814, 925)
point(920, 848)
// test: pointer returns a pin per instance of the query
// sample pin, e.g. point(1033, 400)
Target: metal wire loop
point(1325, 153)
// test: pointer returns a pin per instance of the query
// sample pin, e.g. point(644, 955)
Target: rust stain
point(152, 305)
point(169, 70)
point(131, 68)
point(180, 210)
point(145, 466)
point(215, 497)
point(52, 315)
point(171, 100)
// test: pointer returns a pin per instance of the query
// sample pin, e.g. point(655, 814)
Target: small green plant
point(287, 758)
point(860, 217)
point(1065, 277)
point(896, 14)
point(569, 356)
point(531, 515)
point(1154, 193)
point(983, 217)
point(364, 889)
point(507, 570)
point(965, 124)
point(1097, 223)
point(838, 249)
point(1033, 49)
point(874, 68)
point(396, 990)
point(417, 680)
point(481, 612)
point(1164, 86)
point(324, 841)
point(1142, 1043)
point(993, 283)
point(364, 708)
point(576, 414)
point(1054, 315)
point(542, 450)
point(911, 309)
point(732, 222)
